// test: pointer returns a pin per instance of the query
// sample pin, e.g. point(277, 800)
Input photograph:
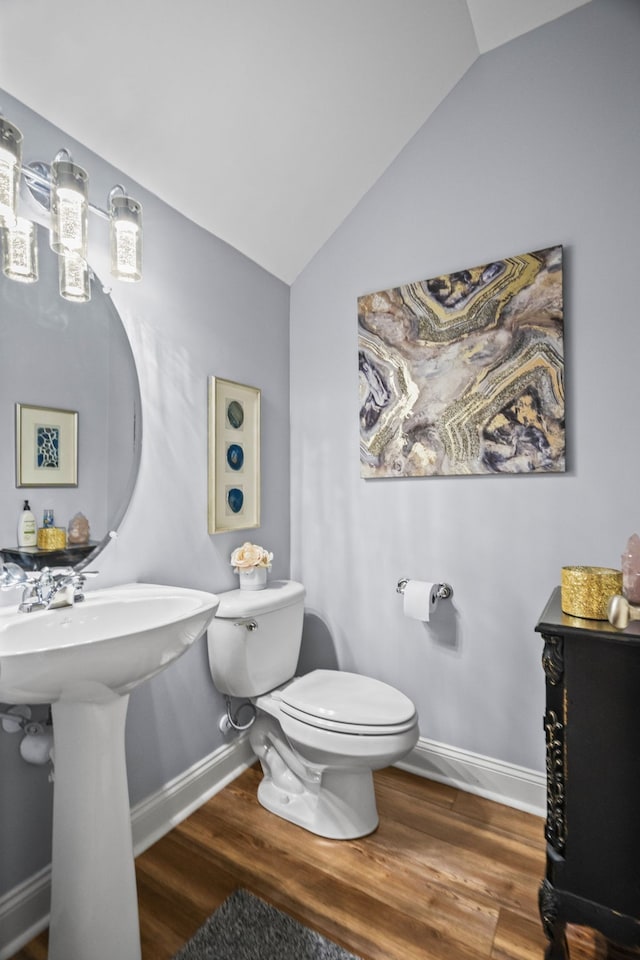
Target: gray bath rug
point(246, 928)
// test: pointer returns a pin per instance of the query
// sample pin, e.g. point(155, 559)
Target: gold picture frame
point(234, 456)
point(46, 446)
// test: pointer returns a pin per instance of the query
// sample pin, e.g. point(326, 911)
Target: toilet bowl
point(319, 736)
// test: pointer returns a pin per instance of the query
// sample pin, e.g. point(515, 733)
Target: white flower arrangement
point(250, 555)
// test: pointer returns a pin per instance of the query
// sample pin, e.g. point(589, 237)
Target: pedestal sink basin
point(117, 637)
point(85, 660)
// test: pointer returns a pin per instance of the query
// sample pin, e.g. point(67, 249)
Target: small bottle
point(47, 518)
point(27, 528)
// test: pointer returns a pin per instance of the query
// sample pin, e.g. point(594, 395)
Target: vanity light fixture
point(69, 203)
point(73, 277)
point(20, 250)
point(62, 188)
point(125, 227)
point(10, 165)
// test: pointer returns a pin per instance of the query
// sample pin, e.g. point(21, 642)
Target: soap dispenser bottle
point(27, 528)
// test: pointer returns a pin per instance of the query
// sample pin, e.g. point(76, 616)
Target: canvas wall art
point(463, 374)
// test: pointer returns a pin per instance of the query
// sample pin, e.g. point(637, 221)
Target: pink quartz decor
point(78, 529)
point(630, 563)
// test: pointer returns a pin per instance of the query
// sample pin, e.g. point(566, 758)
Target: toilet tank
point(254, 639)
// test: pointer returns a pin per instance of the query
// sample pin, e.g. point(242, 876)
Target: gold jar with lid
point(586, 591)
point(52, 538)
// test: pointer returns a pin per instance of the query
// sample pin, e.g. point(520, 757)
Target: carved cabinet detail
point(592, 735)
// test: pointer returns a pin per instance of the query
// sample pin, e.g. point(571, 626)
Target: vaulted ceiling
point(264, 121)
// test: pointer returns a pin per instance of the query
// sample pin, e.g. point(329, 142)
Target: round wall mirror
point(67, 379)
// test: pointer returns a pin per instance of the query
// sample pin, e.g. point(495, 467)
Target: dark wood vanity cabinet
point(592, 730)
point(33, 558)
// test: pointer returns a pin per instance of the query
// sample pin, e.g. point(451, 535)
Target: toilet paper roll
point(420, 599)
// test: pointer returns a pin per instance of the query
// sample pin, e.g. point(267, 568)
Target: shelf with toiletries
point(35, 558)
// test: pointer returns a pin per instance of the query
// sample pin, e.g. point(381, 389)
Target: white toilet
point(318, 737)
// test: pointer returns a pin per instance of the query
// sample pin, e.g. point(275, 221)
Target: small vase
point(253, 578)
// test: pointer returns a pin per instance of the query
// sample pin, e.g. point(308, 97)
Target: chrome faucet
point(45, 589)
point(53, 587)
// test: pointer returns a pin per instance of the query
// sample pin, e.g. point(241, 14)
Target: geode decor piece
point(78, 529)
point(464, 373)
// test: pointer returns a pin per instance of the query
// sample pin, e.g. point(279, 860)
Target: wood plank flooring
point(446, 876)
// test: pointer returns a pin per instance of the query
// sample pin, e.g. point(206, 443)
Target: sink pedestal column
point(94, 904)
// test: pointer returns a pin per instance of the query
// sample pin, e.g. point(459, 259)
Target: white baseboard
point(24, 911)
point(176, 800)
point(505, 783)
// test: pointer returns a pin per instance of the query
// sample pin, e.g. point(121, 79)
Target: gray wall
point(537, 145)
point(202, 309)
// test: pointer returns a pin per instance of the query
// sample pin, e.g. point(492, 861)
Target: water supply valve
point(14, 718)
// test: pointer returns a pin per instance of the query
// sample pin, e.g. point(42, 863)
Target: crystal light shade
point(69, 205)
point(20, 251)
point(73, 276)
point(125, 217)
point(10, 161)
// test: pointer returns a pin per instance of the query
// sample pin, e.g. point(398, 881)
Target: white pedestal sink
point(85, 660)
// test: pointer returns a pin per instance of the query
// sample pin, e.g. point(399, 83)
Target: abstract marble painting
point(463, 374)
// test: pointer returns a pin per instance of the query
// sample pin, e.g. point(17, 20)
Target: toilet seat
point(347, 703)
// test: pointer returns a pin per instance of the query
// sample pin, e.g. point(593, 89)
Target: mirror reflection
point(64, 367)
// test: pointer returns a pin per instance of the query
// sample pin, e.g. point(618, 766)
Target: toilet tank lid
point(238, 604)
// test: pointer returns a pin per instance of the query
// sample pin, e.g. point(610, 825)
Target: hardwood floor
point(446, 876)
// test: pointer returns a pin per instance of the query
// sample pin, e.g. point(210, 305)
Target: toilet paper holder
point(443, 592)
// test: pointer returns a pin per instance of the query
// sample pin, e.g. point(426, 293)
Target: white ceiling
point(264, 121)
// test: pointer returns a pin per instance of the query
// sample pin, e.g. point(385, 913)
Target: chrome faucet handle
point(58, 577)
point(58, 573)
point(79, 578)
point(12, 575)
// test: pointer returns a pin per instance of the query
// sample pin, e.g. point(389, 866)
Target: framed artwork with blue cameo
point(234, 456)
